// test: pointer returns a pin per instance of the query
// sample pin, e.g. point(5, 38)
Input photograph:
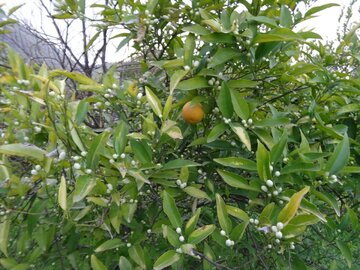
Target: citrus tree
point(237, 147)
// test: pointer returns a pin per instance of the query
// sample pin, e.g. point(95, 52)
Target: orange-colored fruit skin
point(192, 114)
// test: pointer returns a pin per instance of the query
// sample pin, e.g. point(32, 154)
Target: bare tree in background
point(57, 48)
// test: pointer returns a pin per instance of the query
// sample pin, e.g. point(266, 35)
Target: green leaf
point(222, 56)
point(285, 17)
point(81, 111)
point(75, 136)
point(279, 34)
point(237, 212)
point(196, 29)
point(92, 40)
point(200, 234)
point(340, 157)
point(96, 149)
point(176, 78)
point(243, 135)
point(171, 210)
point(137, 255)
point(96, 264)
point(304, 220)
point(179, 163)
point(62, 193)
point(263, 162)
point(197, 82)
point(241, 107)
point(314, 10)
point(300, 166)
point(189, 47)
point(124, 264)
point(235, 180)
point(4, 236)
point(237, 162)
point(216, 132)
point(109, 244)
point(262, 19)
point(224, 220)
point(242, 83)
point(278, 149)
point(168, 258)
point(74, 76)
point(171, 236)
point(142, 151)
point(328, 198)
point(196, 193)
point(154, 101)
point(303, 68)
point(266, 215)
point(290, 209)
point(120, 137)
point(83, 186)
point(224, 101)
point(345, 251)
point(218, 38)
point(22, 150)
point(210, 255)
point(273, 122)
point(238, 232)
point(353, 107)
point(191, 224)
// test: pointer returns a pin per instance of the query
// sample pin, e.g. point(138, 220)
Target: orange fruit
point(192, 113)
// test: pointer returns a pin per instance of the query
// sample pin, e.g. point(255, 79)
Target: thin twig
point(217, 265)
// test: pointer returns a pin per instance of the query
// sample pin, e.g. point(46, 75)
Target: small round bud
point(278, 235)
point(34, 172)
point(228, 242)
point(181, 238)
point(274, 229)
point(280, 225)
point(256, 221)
point(178, 230)
point(128, 245)
point(38, 167)
point(148, 231)
point(269, 183)
point(77, 166)
point(83, 153)
point(222, 232)
point(251, 220)
point(123, 155)
point(62, 155)
point(277, 173)
point(264, 188)
point(178, 182)
point(250, 121)
point(115, 156)
point(88, 171)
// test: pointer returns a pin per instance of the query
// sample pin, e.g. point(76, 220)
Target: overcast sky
point(326, 23)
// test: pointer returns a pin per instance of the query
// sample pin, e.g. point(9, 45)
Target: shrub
point(267, 180)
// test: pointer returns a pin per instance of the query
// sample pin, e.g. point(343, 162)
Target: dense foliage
point(269, 179)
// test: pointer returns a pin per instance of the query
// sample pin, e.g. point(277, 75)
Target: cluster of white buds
point(109, 188)
point(36, 169)
point(277, 230)
point(254, 221)
point(25, 82)
point(229, 242)
point(216, 110)
point(181, 237)
point(269, 187)
point(248, 123)
point(333, 179)
point(181, 184)
point(226, 121)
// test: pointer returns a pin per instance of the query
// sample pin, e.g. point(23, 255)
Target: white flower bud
point(187, 68)
point(128, 245)
point(139, 96)
point(251, 220)
point(115, 156)
point(275, 193)
point(62, 155)
point(222, 232)
point(178, 182)
point(123, 155)
point(277, 173)
point(269, 183)
point(38, 167)
point(148, 231)
point(88, 171)
point(34, 172)
point(250, 121)
point(274, 228)
point(77, 166)
point(277, 241)
point(183, 185)
point(280, 225)
point(178, 230)
point(264, 188)
point(181, 238)
point(228, 242)
point(271, 168)
point(133, 162)
point(83, 153)
point(279, 235)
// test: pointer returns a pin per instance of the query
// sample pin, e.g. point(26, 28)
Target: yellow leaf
point(62, 193)
point(290, 209)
